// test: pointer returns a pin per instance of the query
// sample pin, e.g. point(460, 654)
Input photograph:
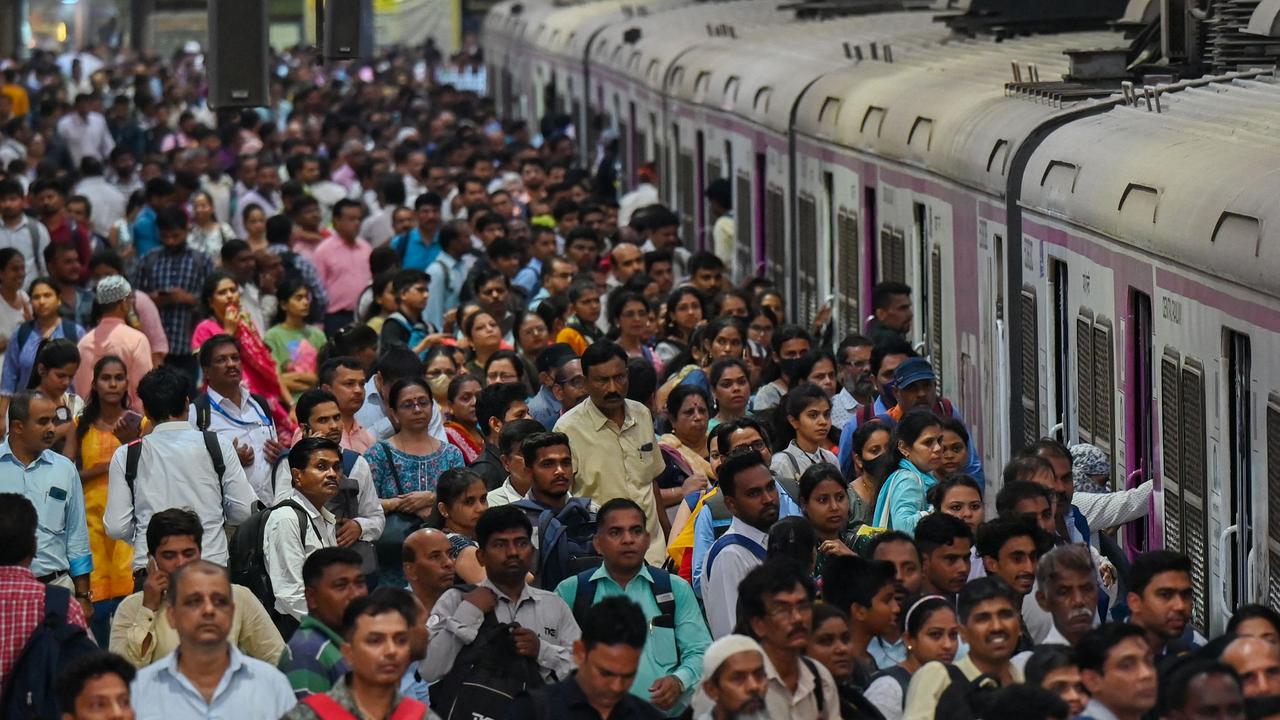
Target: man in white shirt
point(301, 525)
point(777, 610)
point(27, 235)
point(857, 386)
point(1117, 669)
point(176, 467)
point(107, 202)
point(85, 131)
point(751, 496)
point(236, 415)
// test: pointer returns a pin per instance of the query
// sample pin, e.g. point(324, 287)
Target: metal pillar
point(13, 15)
point(139, 18)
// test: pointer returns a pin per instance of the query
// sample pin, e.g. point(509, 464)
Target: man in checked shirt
point(173, 275)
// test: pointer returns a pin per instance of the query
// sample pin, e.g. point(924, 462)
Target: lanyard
point(264, 422)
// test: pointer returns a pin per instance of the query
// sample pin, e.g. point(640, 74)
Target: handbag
point(398, 526)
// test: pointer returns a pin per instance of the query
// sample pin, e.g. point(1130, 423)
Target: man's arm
point(372, 520)
point(556, 656)
point(79, 557)
point(720, 590)
point(117, 519)
point(704, 536)
point(238, 494)
point(283, 556)
point(133, 631)
point(1107, 510)
point(258, 636)
point(453, 625)
point(691, 634)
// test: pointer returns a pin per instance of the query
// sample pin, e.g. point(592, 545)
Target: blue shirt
point(250, 688)
point(704, 532)
point(448, 274)
point(545, 408)
point(419, 254)
point(20, 359)
point(52, 485)
point(146, 236)
point(687, 641)
point(530, 276)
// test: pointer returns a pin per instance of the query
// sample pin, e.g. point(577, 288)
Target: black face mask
point(790, 368)
point(880, 467)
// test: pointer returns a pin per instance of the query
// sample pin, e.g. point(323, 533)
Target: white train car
point(1157, 226)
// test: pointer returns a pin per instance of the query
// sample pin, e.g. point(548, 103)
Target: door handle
point(1222, 566)
point(1055, 432)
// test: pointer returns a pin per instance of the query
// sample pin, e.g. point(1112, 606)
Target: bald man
point(1257, 662)
point(428, 565)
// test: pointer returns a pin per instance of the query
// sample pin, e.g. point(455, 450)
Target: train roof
point(943, 106)
point(565, 31)
point(1195, 182)
point(760, 75)
point(664, 36)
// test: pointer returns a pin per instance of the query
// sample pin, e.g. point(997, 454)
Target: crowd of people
point(372, 403)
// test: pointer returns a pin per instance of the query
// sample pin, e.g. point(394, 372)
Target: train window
point(1195, 489)
point(921, 135)
point(687, 194)
point(1104, 387)
point(873, 120)
point(936, 341)
point(742, 212)
point(1030, 318)
point(1239, 493)
point(1273, 500)
point(808, 257)
point(700, 86)
point(775, 235)
point(1084, 374)
point(714, 171)
point(893, 255)
point(1060, 353)
point(1171, 445)
point(847, 281)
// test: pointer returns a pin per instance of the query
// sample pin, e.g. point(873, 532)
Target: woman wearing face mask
point(917, 449)
point(931, 632)
point(872, 463)
point(461, 428)
point(440, 371)
point(790, 343)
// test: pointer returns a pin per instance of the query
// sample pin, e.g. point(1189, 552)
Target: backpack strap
point(585, 595)
point(57, 605)
point(819, 692)
point(68, 329)
point(720, 515)
point(943, 408)
point(326, 708)
point(899, 675)
point(734, 539)
point(215, 454)
point(36, 255)
point(264, 406)
point(303, 520)
point(24, 332)
point(131, 457)
point(402, 248)
point(349, 458)
point(203, 412)
point(662, 593)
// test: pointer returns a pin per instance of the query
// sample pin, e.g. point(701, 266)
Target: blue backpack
point(564, 541)
point(416, 332)
point(29, 691)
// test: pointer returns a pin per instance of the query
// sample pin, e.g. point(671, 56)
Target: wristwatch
point(86, 595)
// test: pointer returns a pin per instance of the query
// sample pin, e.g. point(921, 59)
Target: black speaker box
point(237, 55)
point(344, 23)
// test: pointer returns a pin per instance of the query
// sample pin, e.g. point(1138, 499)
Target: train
point(1089, 246)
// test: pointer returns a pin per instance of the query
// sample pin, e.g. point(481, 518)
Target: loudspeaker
point(345, 23)
point(237, 54)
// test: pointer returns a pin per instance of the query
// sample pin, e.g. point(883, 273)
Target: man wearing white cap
point(734, 679)
point(113, 336)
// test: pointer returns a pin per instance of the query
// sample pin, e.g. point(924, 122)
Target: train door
point(869, 250)
point(994, 349)
point(760, 261)
point(1059, 351)
point(1141, 409)
point(1235, 540)
point(922, 288)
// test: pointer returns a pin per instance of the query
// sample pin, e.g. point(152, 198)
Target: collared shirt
point(720, 587)
point(530, 276)
point(141, 636)
point(250, 425)
point(285, 548)
point(344, 269)
point(356, 438)
point(85, 136)
point(887, 654)
point(107, 202)
point(568, 701)
point(612, 462)
point(545, 408)
point(113, 336)
point(843, 407)
point(930, 681)
point(18, 237)
point(419, 254)
point(781, 702)
point(21, 612)
point(504, 494)
point(184, 268)
point(668, 651)
point(52, 484)
point(374, 419)
point(448, 274)
point(704, 532)
point(454, 624)
point(341, 693)
point(20, 359)
point(1095, 710)
point(489, 466)
point(313, 660)
point(175, 470)
point(377, 227)
point(368, 508)
point(249, 688)
point(149, 323)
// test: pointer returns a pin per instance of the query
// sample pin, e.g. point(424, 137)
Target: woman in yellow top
point(106, 424)
point(584, 308)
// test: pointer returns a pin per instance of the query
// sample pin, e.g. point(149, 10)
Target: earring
point(908, 648)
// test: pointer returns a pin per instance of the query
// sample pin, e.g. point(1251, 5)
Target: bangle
point(86, 595)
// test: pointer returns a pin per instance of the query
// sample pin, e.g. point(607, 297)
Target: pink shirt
point(344, 270)
point(149, 318)
point(113, 336)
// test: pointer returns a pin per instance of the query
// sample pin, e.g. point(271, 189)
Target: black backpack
point(965, 699)
point(26, 328)
point(486, 676)
point(564, 541)
point(247, 557)
point(29, 691)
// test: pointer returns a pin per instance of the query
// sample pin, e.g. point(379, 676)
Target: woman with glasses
point(462, 428)
point(629, 323)
point(56, 364)
point(406, 466)
point(531, 337)
point(504, 366)
point(760, 327)
point(441, 368)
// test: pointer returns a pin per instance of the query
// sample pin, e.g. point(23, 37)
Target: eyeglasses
point(420, 404)
point(784, 611)
point(756, 446)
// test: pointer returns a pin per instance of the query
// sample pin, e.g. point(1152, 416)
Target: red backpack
point(328, 709)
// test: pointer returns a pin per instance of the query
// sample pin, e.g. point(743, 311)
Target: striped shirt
point(313, 659)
